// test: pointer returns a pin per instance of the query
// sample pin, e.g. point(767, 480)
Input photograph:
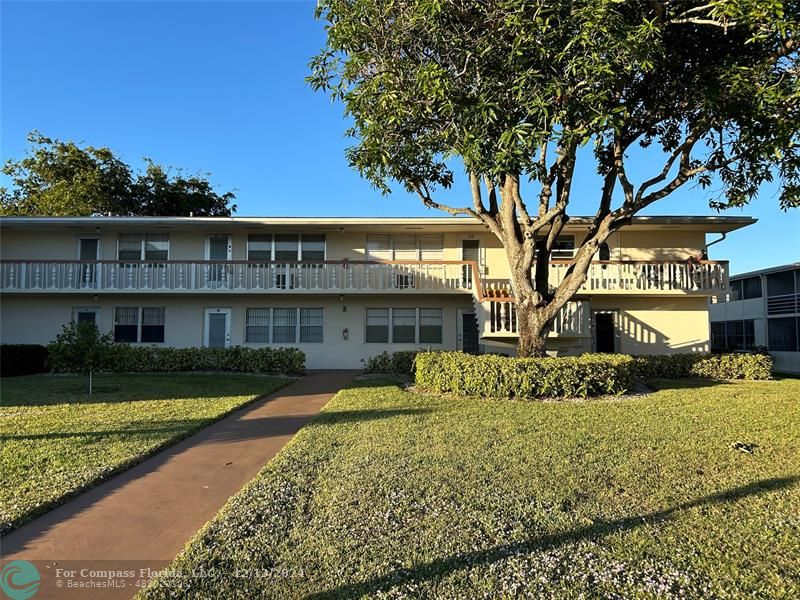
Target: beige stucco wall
point(37, 320)
point(660, 244)
point(644, 326)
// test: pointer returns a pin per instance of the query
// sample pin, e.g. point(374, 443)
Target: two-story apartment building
point(761, 310)
point(344, 289)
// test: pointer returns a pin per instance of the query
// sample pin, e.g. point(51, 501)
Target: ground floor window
point(783, 334)
point(86, 314)
point(727, 336)
point(139, 324)
point(403, 326)
point(287, 325)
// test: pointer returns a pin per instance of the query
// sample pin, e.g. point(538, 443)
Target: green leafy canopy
point(62, 178)
point(711, 84)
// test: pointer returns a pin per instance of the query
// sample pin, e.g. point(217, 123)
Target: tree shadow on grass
point(443, 567)
point(246, 428)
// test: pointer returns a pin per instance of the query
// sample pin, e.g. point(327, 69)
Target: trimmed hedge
point(401, 362)
point(525, 378)
point(139, 359)
point(22, 359)
point(710, 366)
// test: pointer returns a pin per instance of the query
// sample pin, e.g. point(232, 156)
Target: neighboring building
point(761, 310)
point(344, 289)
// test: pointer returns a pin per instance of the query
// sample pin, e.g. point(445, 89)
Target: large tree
point(512, 89)
point(61, 178)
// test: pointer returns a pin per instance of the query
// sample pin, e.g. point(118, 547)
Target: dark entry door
point(469, 331)
point(604, 332)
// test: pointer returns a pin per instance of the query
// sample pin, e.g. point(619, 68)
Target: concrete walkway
point(141, 518)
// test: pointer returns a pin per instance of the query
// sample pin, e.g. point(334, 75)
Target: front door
point(604, 332)
point(217, 325)
point(470, 250)
point(88, 253)
point(218, 248)
point(468, 338)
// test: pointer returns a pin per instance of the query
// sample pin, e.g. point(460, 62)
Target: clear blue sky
point(218, 87)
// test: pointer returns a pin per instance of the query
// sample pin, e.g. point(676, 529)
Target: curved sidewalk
point(141, 518)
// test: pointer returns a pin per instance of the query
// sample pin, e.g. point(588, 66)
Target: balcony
point(498, 319)
point(646, 278)
point(604, 277)
point(234, 277)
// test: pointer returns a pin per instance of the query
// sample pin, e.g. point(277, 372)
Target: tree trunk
point(532, 328)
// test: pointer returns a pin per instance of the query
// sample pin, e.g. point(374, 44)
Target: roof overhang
point(707, 224)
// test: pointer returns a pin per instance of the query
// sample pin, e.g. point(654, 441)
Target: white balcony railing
point(704, 277)
point(209, 276)
point(500, 319)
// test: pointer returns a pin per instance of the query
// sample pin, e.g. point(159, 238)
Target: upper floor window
point(312, 247)
point(745, 289)
point(143, 246)
point(382, 246)
point(289, 247)
point(563, 247)
point(259, 247)
point(781, 284)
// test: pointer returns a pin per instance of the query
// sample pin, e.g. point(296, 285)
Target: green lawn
point(393, 494)
point(57, 441)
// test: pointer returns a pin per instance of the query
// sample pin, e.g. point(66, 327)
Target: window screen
point(153, 325)
point(404, 325)
point(257, 326)
point(126, 324)
point(284, 325)
point(377, 325)
point(783, 334)
point(259, 247)
point(286, 247)
point(751, 288)
point(405, 247)
point(156, 246)
point(313, 247)
point(563, 247)
point(430, 325)
point(378, 247)
point(431, 247)
point(311, 325)
point(129, 246)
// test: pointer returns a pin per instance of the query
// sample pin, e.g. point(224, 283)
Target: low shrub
point(22, 359)
point(401, 362)
point(734, 366)
point(525, 378)
point(138, 359)
point(710, 366)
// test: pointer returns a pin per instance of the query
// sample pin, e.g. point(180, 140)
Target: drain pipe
point(724, 235)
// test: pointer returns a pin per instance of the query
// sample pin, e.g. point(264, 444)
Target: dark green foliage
point(22, 359)
point(401, 362)
point(715, 366)
point(143, 359)
point(60, 178)
point(80, 348)
point(525, 378)
point(734, 366)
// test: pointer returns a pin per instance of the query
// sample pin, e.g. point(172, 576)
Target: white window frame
point(269, 325)
point(390, 337)
point(139, 323)
point(87, 309)
point(142, 245)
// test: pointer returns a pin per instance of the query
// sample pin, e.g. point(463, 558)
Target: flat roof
point(767, 270)
point(712, 224)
